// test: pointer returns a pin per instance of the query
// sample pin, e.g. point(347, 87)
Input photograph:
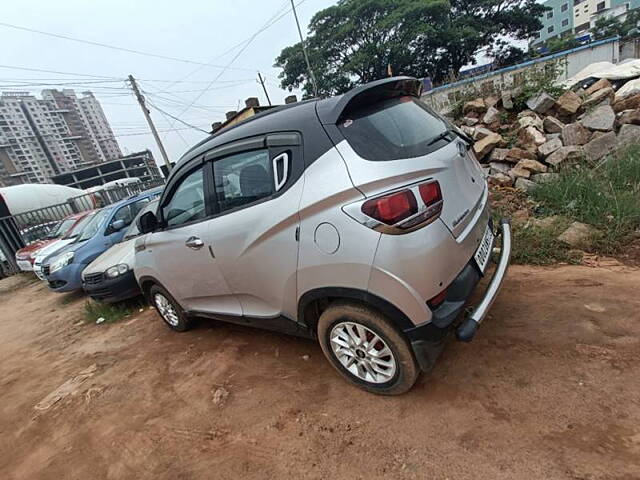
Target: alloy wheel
point(362, 352)
point(166, 309)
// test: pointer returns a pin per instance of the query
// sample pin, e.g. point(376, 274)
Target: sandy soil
point(550, 389)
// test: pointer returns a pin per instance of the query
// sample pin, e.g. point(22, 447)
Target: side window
point(187, 202)
point(243, 178)
point(128, 212)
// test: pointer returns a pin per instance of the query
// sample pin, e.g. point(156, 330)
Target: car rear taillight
point(400, 212)
point(438, 300)
point(430, 193)
point(391, 209)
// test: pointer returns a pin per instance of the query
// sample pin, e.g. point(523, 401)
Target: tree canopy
point(357, 41)
point(611, 26)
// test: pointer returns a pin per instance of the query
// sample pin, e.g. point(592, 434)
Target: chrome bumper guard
point(468, 328)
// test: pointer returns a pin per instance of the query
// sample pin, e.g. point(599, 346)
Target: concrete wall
point(509, 79)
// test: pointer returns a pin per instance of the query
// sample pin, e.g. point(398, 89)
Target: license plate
point(25, 265)
point(483, 253)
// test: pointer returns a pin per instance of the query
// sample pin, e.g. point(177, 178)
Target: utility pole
point(145, 110)
point(264, 88)
point(304, 50)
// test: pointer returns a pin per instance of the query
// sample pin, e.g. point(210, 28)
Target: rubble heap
point(525, 148)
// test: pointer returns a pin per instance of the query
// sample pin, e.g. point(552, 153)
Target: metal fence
point(19, 230)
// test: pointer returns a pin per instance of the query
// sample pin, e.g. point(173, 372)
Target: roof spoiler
point(370, 93)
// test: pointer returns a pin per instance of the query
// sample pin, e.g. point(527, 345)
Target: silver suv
point(360, 220)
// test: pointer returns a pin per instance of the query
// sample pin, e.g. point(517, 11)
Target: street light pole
point(304, 51)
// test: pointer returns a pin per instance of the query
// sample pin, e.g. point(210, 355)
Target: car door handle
point(194, 243)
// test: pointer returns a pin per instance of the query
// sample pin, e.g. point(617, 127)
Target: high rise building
point(567, 17)
point(40, 138)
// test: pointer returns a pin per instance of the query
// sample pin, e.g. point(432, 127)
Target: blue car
point(63, 270)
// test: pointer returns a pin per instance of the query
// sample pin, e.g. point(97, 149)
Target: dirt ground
point(550, 389)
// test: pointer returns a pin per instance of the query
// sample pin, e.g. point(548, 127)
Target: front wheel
point(169, 310)
point(366, 349)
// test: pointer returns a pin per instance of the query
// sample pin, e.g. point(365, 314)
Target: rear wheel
point(169, 309)
point(366, 349)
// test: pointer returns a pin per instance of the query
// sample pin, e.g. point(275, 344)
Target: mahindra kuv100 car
point(360, 220)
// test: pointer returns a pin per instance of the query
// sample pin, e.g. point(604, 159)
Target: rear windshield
point(398, 128)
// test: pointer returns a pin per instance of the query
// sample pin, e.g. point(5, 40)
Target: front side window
point(393, 129)
point(242, 179)
point(128, 212)
point(133, 230)
point(187, 202)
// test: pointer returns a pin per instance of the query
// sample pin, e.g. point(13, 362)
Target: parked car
point(52, 248)
point(25, 257)
point(64, 269)
point(109, 278)
point(360, 220)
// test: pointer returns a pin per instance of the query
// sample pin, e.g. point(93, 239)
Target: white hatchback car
point(360, 220)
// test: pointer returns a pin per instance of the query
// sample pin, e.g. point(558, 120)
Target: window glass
point(61, 229)
point(133, 231)
point(78, 227)
point(393, 129)
point(93, 225)
point(128, 212)
point(187, 203)
point(243, 178)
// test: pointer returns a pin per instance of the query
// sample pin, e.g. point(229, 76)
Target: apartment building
point(40, 138)
point(567, 17)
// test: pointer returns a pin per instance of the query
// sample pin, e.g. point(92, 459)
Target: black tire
point(406, 367)
point(182, 322)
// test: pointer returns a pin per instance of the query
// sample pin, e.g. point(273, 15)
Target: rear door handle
point(194, 243)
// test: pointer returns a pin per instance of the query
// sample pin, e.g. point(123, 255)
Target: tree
point(357, 41)
point(562, 43)
point(607, 27)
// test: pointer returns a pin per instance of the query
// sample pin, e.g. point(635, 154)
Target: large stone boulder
point(499, 167)
point(477, 106)
point(571, 153)
point(481, 132)
point(544, 177)
point(600, 147)
point(507, 101)
point(552, 125)
point(525, 185)
point(601, 119)
point(533, 166)
point(632, 102)
point(575, 134)
point(470, 121)
point(498, 154)
point(599, 85)
point(606, 94)
point(501, 179)
point(580, 235)
point(628, 116)
point(483, 147)
point(530, 121)
point(541, 103)
point(531, 138)
point(628, 135)
point(492, 115)
point(516, 154)
point(568, 104)
point(519, 172)
point(551, 146)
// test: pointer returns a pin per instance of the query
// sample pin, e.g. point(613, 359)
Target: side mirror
point(118, 225)
point(147, 223)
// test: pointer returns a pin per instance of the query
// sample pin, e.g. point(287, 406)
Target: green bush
point(537, 81)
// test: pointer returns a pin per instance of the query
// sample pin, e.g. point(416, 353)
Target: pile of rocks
point(525, 148)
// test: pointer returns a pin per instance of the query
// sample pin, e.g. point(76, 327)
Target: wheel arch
point(312, 303)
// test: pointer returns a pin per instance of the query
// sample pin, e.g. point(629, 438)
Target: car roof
point(133, 198)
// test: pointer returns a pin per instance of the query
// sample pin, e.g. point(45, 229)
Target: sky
point(216, 33)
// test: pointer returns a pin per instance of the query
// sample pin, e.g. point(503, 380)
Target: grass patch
point(540, 246)
point(607, 197)
point(111, 312)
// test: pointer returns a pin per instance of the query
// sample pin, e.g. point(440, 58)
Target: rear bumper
point(428, 340)
point(111, 290)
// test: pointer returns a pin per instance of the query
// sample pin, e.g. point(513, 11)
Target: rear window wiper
point(439, 137)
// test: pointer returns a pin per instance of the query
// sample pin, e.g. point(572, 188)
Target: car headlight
point(117, 270)
point(61, 262)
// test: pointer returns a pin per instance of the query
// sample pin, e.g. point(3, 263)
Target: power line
point(175, 118)
point(115, 47)
point(12, 67)
point(149, 133)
